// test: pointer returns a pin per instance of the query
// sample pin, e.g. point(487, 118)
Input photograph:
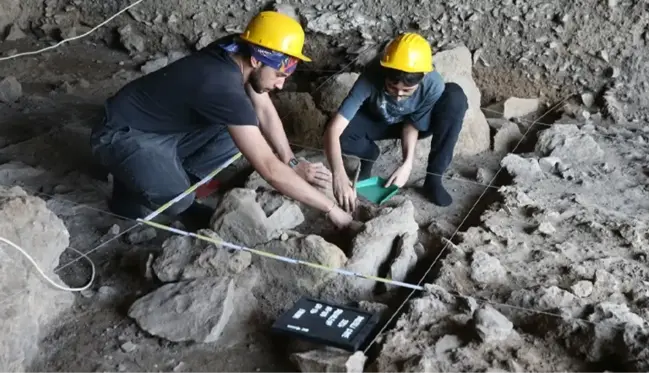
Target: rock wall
point(552, 48)
point(28, 304)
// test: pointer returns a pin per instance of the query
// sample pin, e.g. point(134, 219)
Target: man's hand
point(340, 218)
point(400, 175)
point(344, 192)
point(314, 173)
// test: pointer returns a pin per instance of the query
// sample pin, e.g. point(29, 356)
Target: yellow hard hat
point(408, 52)
point(276, 31)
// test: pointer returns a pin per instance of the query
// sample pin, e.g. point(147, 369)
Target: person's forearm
point(287, 182)
point(334, 152)
point(409, 143)
point(271, 127)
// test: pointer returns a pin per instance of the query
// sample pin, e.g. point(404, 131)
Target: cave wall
point(535, 48)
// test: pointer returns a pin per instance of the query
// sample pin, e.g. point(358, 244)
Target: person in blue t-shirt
point(398, 96)
point(170, 128)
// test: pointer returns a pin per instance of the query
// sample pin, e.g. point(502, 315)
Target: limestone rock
point(523, 169)
point(240, 219)
point(507, 137)
point(197, 310)
point(485, 269)
point(405, 261)
point(154, 65)
point(456, 66)
point(570, 144)
point(491, 325)
point(131, 40)
point(9, 12)
point(514, 107)
point(188, 258)
point(329, 360)
point(309, 248)
point(29, 303)
point(287, 9)
point(371, 250)
point(10, 90)
point(582, 289)
point(332, 93)
point(303, 121)
point(15, 33)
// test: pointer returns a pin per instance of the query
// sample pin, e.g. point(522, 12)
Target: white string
point(74, 37)
point(29, 257)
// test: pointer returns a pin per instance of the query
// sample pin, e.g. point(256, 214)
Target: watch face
point(293, 162)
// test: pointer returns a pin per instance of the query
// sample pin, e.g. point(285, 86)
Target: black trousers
point(151, 168)
point(447, 115)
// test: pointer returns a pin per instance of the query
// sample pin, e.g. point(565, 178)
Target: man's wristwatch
point(293, 162)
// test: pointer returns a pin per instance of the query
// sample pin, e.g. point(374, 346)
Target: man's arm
point(409, 138)
point(271, 124)
point(357, 95)
point(254, 147)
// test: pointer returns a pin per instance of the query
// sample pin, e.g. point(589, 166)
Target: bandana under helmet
point(277, 60)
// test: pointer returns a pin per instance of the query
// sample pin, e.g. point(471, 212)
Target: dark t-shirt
point(203, 89)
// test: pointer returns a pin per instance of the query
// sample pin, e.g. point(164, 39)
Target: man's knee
point(454, 99)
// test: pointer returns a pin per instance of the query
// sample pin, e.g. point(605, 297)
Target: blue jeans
point(447, 116)
point(150, 169)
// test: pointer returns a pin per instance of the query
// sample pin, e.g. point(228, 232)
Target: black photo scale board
point(329, 324)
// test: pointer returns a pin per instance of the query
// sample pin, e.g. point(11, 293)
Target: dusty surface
point(567, 236)
point(549, 48)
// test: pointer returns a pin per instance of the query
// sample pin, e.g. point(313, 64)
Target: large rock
point(10, 89)
point(303, 121)
point(456, 66)
point(188, 258)
point(9, 11)
point(334, 91)
point(284, 283)
point(372, 248)
point(240, 219)
point(29, 303)
point(203, 310)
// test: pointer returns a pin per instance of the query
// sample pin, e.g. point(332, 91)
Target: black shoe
point(126, 204)
point(435, 191)
point(196, 217)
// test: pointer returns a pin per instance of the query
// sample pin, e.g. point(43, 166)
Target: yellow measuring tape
point(147, 220)
point(279, 257)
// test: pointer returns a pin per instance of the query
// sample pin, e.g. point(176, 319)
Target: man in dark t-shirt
point(170, 128)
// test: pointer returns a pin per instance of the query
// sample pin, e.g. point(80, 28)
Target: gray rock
point(188, 258)
point(485, 269)
point(197, 310)
point(447, 343)
point(131, 40)
point(29, 303)
point(10, 90)
point(549, 164)
point(507, 138)
point(240, 219)
point(515, 107)
point(142, 235)
point(405, 261)
point(331, 94)
point(154, 65)
point(484, 176)
point(582, 289)
point(523, 169)
point(287, 9)
point(329, 360)
point(15, 33)
point(570, 144)
point(491, 325)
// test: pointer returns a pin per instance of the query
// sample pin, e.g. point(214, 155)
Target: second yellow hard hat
point(408, 52)
point(278, 32)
